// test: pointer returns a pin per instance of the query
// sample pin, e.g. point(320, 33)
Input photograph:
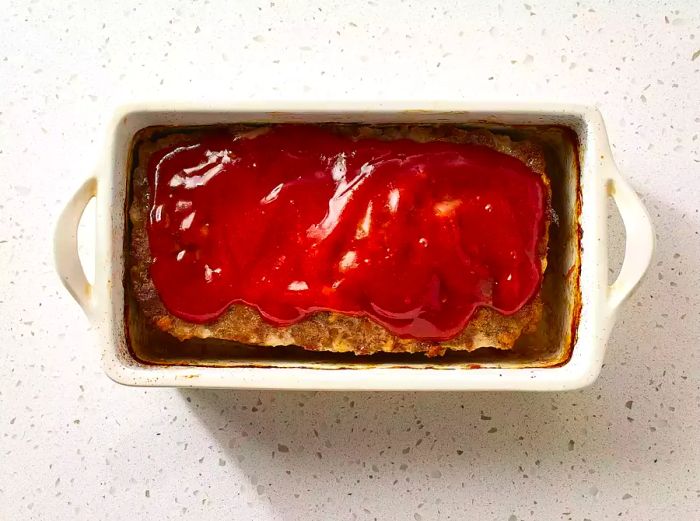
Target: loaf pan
point(582, 308)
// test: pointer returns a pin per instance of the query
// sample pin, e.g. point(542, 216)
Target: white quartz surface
point(74, 445)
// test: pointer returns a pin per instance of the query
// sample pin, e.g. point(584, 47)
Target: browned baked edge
point(329, 331)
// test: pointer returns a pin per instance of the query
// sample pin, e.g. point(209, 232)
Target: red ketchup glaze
point(297, 220)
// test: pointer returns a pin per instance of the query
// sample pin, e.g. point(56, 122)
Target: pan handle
point(65, 246)
point(639, 242)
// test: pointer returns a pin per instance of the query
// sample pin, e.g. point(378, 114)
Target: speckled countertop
point(74, 445)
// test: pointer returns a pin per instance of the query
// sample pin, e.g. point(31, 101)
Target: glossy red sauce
point(297, 220)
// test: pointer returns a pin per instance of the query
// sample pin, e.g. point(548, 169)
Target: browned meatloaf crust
point(326, 330)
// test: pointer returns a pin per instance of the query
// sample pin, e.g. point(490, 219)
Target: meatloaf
point(326, 330)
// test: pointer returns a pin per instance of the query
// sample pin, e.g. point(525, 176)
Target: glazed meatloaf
point(326, 326)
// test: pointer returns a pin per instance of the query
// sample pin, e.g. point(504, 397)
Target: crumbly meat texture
point(328, 331)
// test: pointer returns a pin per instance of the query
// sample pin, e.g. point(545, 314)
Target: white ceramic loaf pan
point(599, 178)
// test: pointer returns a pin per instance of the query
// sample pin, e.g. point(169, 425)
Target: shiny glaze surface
point(298, 219)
